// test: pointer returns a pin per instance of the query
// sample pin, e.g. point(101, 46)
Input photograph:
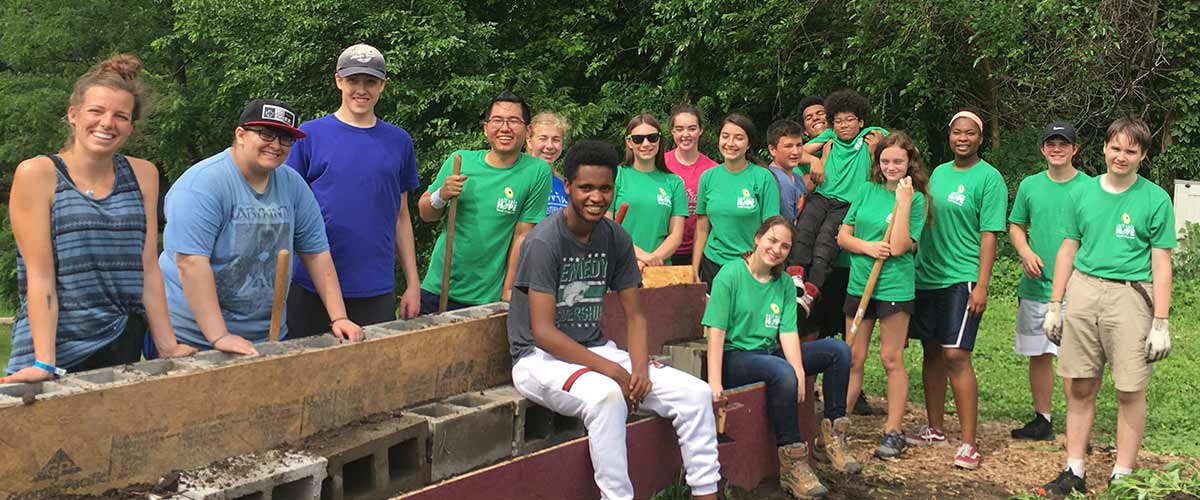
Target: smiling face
point(643, 150)
point(505, 127)
point(103, 119)
point(256, 153)
point(1123, 155)
point(733, 142)
point(772, 247)
point(786, 154)
point(965, 138)
point(814, 120)
point(893, 163)
point(545, 142)
point(686, 131)
point(591, 192)
point(359, 92)
point(847, 125)
point(1058, 152)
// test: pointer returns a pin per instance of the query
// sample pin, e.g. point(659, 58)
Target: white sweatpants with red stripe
point(573, 390)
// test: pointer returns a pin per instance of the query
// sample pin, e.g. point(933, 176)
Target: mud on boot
point(837, 448)
point(795, 476)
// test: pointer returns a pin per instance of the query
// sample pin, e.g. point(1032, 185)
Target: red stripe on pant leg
point(574, 376)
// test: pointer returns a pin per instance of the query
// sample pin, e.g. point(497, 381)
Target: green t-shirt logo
point(1125, 230)
point(958, 198)
point(507, 204)
point(664, 199)
point(746, 202)
point(774, 317)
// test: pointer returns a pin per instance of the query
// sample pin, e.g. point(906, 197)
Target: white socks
point(1077, 466)
point(1119, 471)
point(1045, 416)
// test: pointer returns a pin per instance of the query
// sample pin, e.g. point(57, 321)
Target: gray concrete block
point(161, 366)
point(214, 357)
point(466, 432)
point(94, 379)
point(38, 390)
point(418, 323)
point(273, 475)
point(535, 427)
point(375, 332)
point(482, 311)
point(316, 341)
point(374, 459)
point(688, 356)
point(273, 348)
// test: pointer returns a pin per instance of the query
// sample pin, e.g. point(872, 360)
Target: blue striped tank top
point(97, 246)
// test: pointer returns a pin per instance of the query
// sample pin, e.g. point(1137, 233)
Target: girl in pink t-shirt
point(688, 163)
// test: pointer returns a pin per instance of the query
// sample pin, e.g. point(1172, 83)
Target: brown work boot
point(819, 452)
point(795, 477)
point(834, 435)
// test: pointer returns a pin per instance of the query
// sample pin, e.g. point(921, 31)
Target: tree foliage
point(1020, 62)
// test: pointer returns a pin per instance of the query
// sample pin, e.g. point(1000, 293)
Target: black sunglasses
point(269, 135)
point(640, 138)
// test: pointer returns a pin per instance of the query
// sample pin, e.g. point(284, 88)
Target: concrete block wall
point(270, 476)
point(466, 432)
point(374, 459)
point(535, 427)
point(688, 356)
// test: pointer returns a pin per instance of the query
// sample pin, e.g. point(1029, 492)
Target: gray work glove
point(1052, 324)
point(1158, 342)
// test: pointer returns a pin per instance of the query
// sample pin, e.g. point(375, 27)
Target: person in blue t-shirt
point(227, 218)
point(360, 169)
point(547, 139)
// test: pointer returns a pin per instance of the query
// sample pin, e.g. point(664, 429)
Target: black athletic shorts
point(877, 309)
point(941, 317)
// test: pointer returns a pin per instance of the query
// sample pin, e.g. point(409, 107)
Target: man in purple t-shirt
point(360, 168)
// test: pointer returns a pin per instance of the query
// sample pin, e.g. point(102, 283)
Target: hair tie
point(968, 115)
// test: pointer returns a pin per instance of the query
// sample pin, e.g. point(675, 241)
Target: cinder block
point(483, 311)
point(273, 348)
point(688, 356)
point(466, 432)
point(535, 427)
point(374, 460)
point(316, 341)
point(374, 332)
point(273, 475)
point(214, 357)
point(39, 390)
point(93, 379)
point(161, 366)
point(418, 323)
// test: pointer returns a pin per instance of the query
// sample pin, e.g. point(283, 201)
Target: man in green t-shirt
point(1113, 272)
point(838, 176)
point(1035, 228)
point(502, 193)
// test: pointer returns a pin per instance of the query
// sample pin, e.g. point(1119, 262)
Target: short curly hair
point(845, 101)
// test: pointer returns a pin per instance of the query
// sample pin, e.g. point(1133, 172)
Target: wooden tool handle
point(444, 298)
point(870, 288)
point(621, 212)
point(283, 264)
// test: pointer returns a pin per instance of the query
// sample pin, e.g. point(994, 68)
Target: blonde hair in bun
point(117, 72)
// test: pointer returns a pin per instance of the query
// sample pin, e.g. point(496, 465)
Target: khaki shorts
point(1107, 321)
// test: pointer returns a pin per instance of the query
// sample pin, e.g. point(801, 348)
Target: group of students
point(786, 248)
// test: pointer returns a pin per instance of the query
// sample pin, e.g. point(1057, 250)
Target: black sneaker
point(1038, 429)
point(862, 407)
point(1065, 484)
point(892, 445)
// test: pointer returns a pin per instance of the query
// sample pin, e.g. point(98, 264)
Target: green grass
point(5, 343)
point(1171, 427)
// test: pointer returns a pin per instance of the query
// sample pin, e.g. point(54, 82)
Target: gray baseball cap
point(361, 59)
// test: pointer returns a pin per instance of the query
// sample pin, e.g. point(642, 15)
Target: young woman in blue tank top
point(86, 229)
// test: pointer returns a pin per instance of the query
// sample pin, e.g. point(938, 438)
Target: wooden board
point(660, 276)
point(112, 437)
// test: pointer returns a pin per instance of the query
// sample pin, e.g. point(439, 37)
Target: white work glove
point(1052, 324)
point(1158, 342)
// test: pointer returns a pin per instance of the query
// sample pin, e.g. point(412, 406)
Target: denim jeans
point(828, 356)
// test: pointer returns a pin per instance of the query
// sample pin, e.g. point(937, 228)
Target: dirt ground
point(927, 473)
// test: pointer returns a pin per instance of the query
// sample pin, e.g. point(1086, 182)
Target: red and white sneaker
point(926, 436)
point(967, 457)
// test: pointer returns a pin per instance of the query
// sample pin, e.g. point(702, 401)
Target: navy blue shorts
point(941, 317)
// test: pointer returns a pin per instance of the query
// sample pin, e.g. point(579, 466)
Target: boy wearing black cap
point(1035, 228)
point(360, 169)
point(227, 218)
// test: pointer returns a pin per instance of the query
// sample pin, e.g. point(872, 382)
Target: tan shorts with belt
point(1107, 322)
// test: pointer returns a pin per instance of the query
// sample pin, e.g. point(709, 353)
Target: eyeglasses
point(642, 138)
point(838, 122)
point(498, 121)
point(269, 135)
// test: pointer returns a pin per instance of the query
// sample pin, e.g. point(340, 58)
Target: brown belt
point(1137, 287)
